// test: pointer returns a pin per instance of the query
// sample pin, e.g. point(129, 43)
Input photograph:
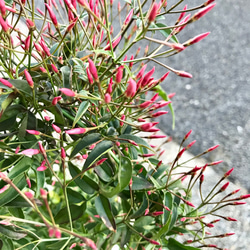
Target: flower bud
point(28, 78)
point(30, 152)
point(202, 12)
point(129, 16)
point(67, 92)
point(6, 83)
point(107, 98)
point(153, 12)
point(92, 69)
point(33, 132)
point(4, 24)
point(131, 89)
point(52, 15)
point(76, 131)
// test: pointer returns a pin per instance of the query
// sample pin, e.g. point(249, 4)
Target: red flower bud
point(131, 89)
point(28, 78)
point(224, 187)
point(196, 39)
point(67, 92)
point(228, 172)
point(76, 131)
point(52, 15)
point(159, 113)
point(202, 12)
point(153, 12)
point(92, 69)
point(183, 74)
point(129, 16)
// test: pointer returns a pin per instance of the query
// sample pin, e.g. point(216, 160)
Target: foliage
point(76, 171)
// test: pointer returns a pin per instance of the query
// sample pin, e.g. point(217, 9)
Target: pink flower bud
point(119, 74)
point(131, 89)
point(58, 234)
point(153, 130)
point(189, 203)
point(30, 24)
point(41, 148)
point(187, 134)
point(33, 132)
point(29, 195)
point(28, 182)
point(92, 69)
point(3, 8)
point(153, 12)
point(157, 136)
point(114, 44)
point(190, 144)
point(146, 211)
point(54, 68)
point(41, 12)
point(67, 92)
point(43, 193)
point(4, 188)
point(101, 161)
point(42, 167)
point(202, 12)
point(141, 120)
point(182, 14)
point(212, 148)
point(228, 172)
point(214, 163)
point(224, 187)
point(51, 232)
point(145, 127)
point(131, 63)
point(44, 47)
point(181, 153)
point(72, 246)
point(133, 143)
point(76, 131)
point(17, 150)
point(245, 196)
point(90, 78)
point(157, 213)
point(171, 95)
point(147, 76)
point(208, 2)
point(159, 113)
point(13, 10)
point(141, 72)
point(5, 82)
point(123, 119)
point(198, 38)
point(4, 24)
point(129, 16)
point(72, 24)
point(56, 128)
point(230, 219)
point(107, 98)
point(145, 104)
point(28, 78)
point(154, 242)
point(183, 74)
point(56, 100)
point(160, 104)
point(30, 152)
point(147, 155)
point(70, 5)
point(239, 203)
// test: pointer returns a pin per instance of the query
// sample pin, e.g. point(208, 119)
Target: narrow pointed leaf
point(11, 233)
point(76, 212)
point(99, 150)
point(10, 194)
point(175, 245)
point(103, 209)
point(81, 110)
point(85, 184)
point(85, 142)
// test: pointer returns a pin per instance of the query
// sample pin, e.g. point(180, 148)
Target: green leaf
point(58, 113)
point(22, 86)
point(100, 149)
point(165, 32)
point(134, 138)
point(103, 209)
point(85, 184)
point(144, 223)
point(80, 112)
point(124, 176)
point(10, 194)
point(141, 210)
point(66, 76)
point(138, 183)
point(175, 245)
point(74, 196)
point(104, 171)
point(158, 89)
point(85, 142)
point(16, 212)
point(11, 233)
point(22, 166)
point(76, 212)
point(167, 215)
